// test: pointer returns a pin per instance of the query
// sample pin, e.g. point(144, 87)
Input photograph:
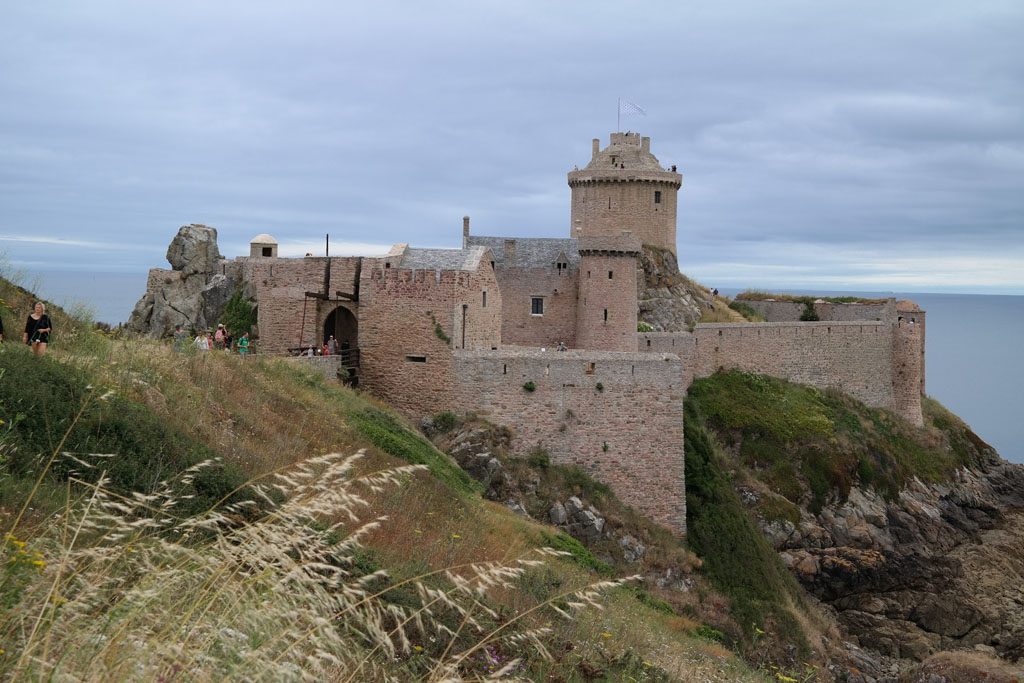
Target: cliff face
point(940, 567)
point(669, 302)
point(912, 537)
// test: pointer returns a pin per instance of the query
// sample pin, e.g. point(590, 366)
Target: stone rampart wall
point(790, 311)
point(619, 416)
point(856, 358)
point(328, 366)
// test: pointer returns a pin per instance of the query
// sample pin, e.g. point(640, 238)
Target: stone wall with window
point(556, 289)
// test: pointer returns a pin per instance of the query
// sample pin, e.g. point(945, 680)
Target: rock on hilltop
point(193, 293)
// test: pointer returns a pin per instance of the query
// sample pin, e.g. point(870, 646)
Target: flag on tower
point(627, 107)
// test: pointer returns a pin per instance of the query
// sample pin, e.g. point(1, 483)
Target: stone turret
point(263, 245)
point(607, 305)
point(625, 188)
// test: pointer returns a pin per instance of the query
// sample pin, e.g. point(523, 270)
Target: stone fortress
point(477, 329)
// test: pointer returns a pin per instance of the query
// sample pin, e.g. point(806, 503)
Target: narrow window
point(492, 265)
point(537, 305)
point(657, 196)
point(485, 299)
point(387, 265)
point(504, 369)
point(610, 273)
point(648, 343)
point(590, 368)
point(606, 315)
point(588, 274)
point(416, 359)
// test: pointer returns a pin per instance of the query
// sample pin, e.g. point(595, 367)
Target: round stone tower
point(625, 188)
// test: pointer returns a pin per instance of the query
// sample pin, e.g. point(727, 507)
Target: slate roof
point(442, 259)
point(531, 252)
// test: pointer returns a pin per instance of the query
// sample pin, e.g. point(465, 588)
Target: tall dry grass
point(119, 587)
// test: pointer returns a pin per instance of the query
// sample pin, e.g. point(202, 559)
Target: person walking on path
point(180, 337)
point(202, 341)
point(219, 337)
point(332, 345)
point(243, 345)
point(37, 329)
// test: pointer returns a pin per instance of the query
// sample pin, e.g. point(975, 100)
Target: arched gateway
point(342, 324)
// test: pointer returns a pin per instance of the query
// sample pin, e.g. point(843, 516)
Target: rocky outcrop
point(940, 567)
point(669, 302)
point(193, 293)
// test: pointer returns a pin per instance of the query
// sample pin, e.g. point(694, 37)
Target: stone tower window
point(268, 251)
point(537, 305)
point(657, 196)
point(485, 299)
point(610, 273)
point(606, 315)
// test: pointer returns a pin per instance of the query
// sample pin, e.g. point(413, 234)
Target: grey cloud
point(794, 123)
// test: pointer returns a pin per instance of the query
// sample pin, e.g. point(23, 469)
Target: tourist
point(228, 339)
point(332, 346)
point(202, 342)
point(562, 347)
point(243, 345)
point(218, 338)
point(37, 329)
point(179, 339)
point(309, 351)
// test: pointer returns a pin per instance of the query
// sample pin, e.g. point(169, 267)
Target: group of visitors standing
point(37, 329)
point(221, 340)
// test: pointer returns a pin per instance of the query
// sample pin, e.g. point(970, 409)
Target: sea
point(974, 355)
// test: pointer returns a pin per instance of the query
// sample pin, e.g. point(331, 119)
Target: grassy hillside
point(197, 516)
point(811, 446)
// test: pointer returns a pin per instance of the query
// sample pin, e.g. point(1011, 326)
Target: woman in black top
point(37, 329)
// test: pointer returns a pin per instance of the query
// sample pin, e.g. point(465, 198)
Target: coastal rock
point(938, 567)
point(194, 250)
point(667, 300)
point(193, 293)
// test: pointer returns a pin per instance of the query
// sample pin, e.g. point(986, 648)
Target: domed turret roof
point(263, 238)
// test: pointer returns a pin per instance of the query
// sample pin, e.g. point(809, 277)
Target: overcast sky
point(832, 145)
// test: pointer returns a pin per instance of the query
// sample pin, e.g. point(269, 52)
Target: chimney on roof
point(645, 145)
point(510, 251)
point(465, 231)
point(595, 147)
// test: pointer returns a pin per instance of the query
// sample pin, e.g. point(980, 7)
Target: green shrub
point(810, 314)
point(529, 387)
point(538, 458)
point(708, 633)
point(239, 315)
point(644, 327)
point(445, 421)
